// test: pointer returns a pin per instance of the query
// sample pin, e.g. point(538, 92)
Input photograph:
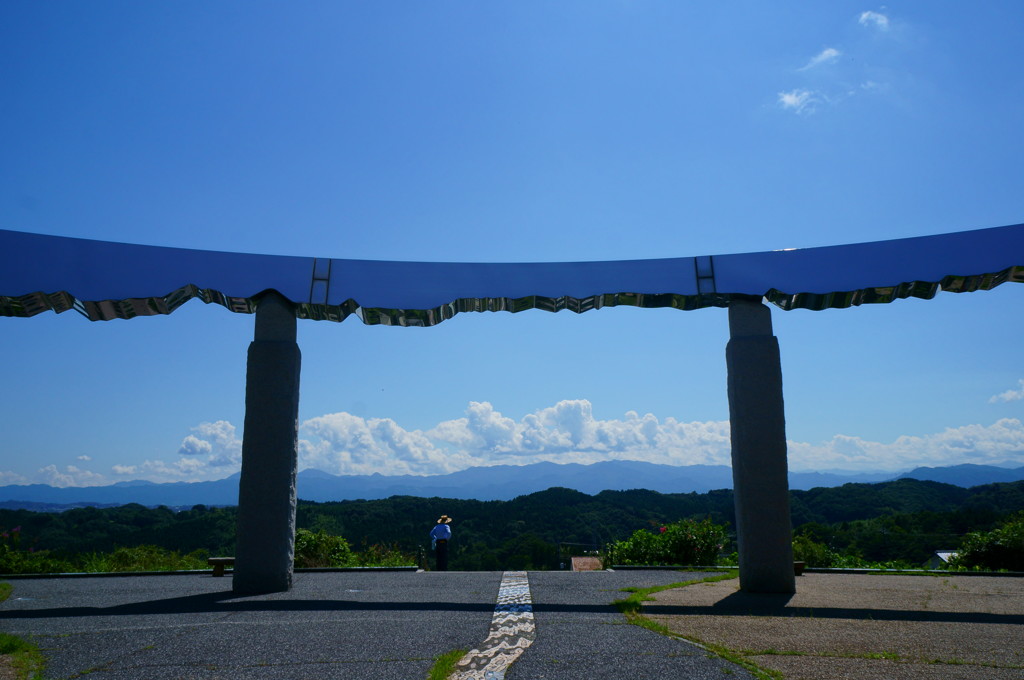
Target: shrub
point(144, 558)
point(14, 560)
point(686, 542)
point(384, 556)
point(321, 549)
point(1001, 548)
point(813, 553)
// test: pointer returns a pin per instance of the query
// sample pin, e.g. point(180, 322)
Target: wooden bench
point(218, 564)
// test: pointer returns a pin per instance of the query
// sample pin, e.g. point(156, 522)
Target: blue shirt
point(441, 531)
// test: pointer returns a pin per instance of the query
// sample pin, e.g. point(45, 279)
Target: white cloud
point(69, 476)
point(1001, 442)
point(827, 55)
point(800, 101)
point(8, 477)
point(84, 458)
point(875, 20)
point(214, 440)
point(212, 451)
point(342, 443)
point(1009, 395)
point(838, 83)
point(183, 469)
point(566, 432)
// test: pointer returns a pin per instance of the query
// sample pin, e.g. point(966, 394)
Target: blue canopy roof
point(105, 280)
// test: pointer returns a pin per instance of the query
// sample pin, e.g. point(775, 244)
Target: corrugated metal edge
point(105, 310)
point(925, 290)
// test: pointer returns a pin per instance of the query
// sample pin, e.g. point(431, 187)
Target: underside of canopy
point(105, 280)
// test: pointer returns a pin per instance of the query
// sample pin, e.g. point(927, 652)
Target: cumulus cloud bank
point(342, 443)
point(567, 432)
point(1001, 442)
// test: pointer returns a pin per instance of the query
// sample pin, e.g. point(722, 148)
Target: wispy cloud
point(1009, 395)
point(827, 55)
point(838, 82)
point(874, 20)
point(799, 101)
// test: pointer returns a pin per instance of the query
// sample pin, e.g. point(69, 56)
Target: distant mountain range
point(501, 482)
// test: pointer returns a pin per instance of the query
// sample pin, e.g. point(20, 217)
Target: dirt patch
point(841, 626)
point(7, 671)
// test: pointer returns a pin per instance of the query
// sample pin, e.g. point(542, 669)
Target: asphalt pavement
point(581, 635)
point(378, 625)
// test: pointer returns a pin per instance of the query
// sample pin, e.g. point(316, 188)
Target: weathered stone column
point(759, 466)
point(265, 549)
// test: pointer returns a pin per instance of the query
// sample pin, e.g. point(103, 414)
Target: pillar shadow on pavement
point(746, 604)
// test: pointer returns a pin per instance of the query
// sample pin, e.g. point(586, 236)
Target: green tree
point(1001, 548)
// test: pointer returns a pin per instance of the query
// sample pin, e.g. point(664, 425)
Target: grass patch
point(736, 658)
point(25, 658)
point(444, 665)
point(633, 604)
point(887, 656)
point(12, 644)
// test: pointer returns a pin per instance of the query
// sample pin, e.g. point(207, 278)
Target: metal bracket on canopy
point(704, 267)
point(321, 281)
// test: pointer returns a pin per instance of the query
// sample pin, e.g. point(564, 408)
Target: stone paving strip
point(512, 630)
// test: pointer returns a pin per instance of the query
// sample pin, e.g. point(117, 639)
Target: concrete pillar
point(759, 466)
point(265, 550)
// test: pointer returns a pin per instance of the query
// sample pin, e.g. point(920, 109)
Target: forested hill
point(865, 501)
point(915, 517)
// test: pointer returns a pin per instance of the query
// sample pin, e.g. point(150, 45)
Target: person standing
point(439, 537)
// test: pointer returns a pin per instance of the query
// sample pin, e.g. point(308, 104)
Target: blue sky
point(526, 131)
